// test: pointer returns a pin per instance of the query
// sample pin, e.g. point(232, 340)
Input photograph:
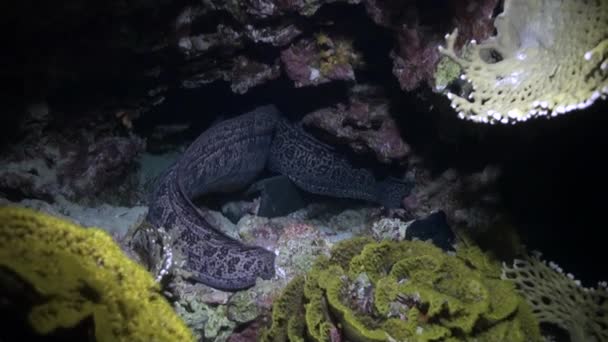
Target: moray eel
point(228, 157)
point(320, 169)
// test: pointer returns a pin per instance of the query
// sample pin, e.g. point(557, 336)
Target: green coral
point(548, 58)
point(82, 273)
point(207, 322)
point(242, 307)
point(402, 291)
point(446, 72)
point(287, 316)
point(557, 298)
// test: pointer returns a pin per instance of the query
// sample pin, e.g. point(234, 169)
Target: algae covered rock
point(401, 291)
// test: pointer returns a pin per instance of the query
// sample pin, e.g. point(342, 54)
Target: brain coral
point(549, 57)
point(82, 273)
point(401, 291)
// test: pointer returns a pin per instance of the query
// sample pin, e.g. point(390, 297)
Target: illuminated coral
point(548, 58)
point(559, 299)
point(82, 273)
point(401, 291)
point(320, 60)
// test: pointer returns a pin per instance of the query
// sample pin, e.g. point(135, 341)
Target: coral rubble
point(364, 124)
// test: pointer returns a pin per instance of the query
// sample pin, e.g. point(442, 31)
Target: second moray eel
point(229, 156)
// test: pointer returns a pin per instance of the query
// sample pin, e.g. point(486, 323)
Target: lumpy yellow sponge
point(549, 57)
point(82, 273)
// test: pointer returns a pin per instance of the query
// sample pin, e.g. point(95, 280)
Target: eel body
point(318, 168)
point(229, 156)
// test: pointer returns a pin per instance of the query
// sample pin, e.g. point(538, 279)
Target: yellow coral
point(335, 52)
point(83, 273)
point(401, 291)
point(548, 58)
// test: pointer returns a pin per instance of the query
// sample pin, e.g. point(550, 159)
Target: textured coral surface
point(559, 299)
point(548, 58)
point(401, 291)
point(82, 273)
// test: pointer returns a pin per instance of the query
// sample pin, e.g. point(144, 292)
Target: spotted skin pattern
point(229, 156)
point(318, 168)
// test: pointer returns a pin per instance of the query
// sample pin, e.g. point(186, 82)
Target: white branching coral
point(549, 57)
point(557, 298)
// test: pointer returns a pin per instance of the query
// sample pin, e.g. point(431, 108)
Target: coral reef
point(95, 73)
point(297, 239)
point(101, 163)
point(261, 9)
point(397, 291)
point(447, 71)
point(320, 60)
point(415, 59)
point(548, 58)
point(75, 158)
point(250, 333)
point(141, 52)
point(469, 200)
point(208, 323)
point(557, 298)
point(415, 55)
point(433, 228)
point(299, 246)
point(248, 73)
point(473, 19)
point(82, 273)
point(364, 124)
point(242, 72)
point(389, 229)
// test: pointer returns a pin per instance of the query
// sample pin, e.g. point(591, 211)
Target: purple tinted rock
point(383, 12)
point(365, 125)
point(249, 334)
point(473, 19)
point(298, 61)
point(324, 59)
point(416, 57)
